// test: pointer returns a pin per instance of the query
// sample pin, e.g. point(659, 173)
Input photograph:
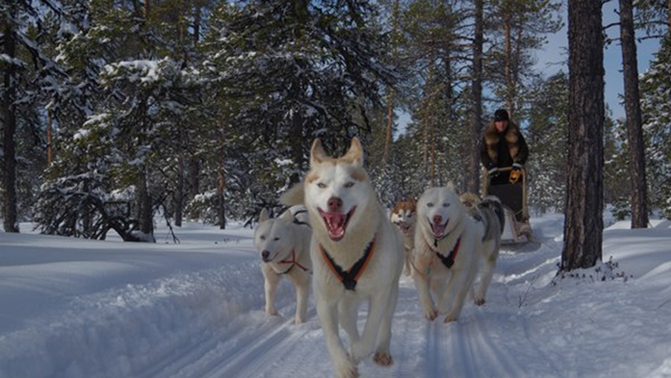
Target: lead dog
point(489, 212)
point(284, 245)
point(447, 247)
point(404, 216)
point(357, 255)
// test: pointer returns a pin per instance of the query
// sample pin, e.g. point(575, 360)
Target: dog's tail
point(493, 203)
point(294, 196)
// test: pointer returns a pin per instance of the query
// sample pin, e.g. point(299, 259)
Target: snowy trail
point(256, 345)
point(195, 310)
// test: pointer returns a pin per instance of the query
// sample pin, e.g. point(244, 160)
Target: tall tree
point(546, 136)
point(517, 28)
point(656, 109)
point(632, 107)
point(289, 71)
point(583, 225)
point(473, 181)
point(29, 81)
point(8, 26)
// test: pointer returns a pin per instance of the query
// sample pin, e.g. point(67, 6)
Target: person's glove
point(516, 173)
point(493, 172)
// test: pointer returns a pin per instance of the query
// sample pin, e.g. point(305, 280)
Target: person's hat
point(501, 115)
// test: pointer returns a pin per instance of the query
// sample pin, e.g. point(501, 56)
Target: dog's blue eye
point(262, 237)
point(446, 204)
point(321, 185)
point(349, 184)
point(430, 204)
point(276, 239)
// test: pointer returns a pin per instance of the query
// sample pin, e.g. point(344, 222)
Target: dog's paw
point(383, 359)
point(430, 314)
point(272, 312)
point(451, 318)
point(479, 301)
point(347, 370)
point(358, 351)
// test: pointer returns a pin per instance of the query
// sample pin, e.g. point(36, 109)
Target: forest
point(114, 112)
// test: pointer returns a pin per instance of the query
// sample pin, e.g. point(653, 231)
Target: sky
point(72, 308)
point(555, 56)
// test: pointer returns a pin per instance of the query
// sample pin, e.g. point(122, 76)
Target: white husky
point(357, 255)
point(447, 250)
point(284, 245)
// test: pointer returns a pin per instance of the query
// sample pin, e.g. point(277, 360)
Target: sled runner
point(514, 199)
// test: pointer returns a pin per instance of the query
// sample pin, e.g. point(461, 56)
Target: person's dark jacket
point(500, 150)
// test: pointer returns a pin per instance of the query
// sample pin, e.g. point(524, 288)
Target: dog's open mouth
point(404, 227)
point(336, 223)
point(439, 229)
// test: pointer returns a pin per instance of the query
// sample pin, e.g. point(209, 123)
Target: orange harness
point(349, 278)
point(293, 263)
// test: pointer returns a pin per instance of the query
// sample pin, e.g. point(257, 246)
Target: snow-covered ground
point(82, 309)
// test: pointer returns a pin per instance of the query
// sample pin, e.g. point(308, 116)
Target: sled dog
point(490, 213)
point(404, 216)
point(284, 246)
point(356, 254)
point(447, 246)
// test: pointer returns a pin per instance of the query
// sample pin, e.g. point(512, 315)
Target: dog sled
point(517, 229)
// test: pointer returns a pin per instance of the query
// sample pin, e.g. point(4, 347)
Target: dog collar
point(293, 263)
point(349, 278)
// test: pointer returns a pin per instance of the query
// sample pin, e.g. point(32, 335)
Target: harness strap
point(293, 263)
point(298, 222)
point(349, 278)
point(449, 260)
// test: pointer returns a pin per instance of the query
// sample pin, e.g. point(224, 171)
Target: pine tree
point(656, 110)
point(29, 81)
point(583, 226)
point(632, 105)
point(290, 71)
point(517, 28)
point(546, 136)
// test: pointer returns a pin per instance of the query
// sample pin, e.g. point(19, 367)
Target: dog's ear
point(317, 154)
point(413, 203)
point(264, 215)
point(355, 153)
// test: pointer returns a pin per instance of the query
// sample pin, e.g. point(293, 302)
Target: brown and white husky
point(404, 216)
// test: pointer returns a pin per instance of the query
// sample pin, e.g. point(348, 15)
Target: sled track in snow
point(274, 347)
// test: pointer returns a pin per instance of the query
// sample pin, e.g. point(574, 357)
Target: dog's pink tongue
point(335, 224)
point(438, 229)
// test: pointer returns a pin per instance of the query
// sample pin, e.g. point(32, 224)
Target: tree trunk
point(145, 218)
point(508, 55)
point(476, 100)
point(583, 225)
point(179, 192)
point(632, 107)
point(390, 99)
point(49, 137)
point(7, 111)
point(221, 188)
point(194, 182)
point(197, 19)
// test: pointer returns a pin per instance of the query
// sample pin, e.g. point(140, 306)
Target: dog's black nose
point(265, 255)
point(335, 205)
point(437, 219)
